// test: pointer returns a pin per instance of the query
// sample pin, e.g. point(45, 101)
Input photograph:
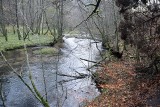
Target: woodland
point(125, 35)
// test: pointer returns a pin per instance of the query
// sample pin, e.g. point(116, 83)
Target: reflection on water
point(62, 90)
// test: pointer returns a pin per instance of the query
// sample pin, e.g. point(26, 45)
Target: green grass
point(46, 51)
point(72, 32)
point(14, 43)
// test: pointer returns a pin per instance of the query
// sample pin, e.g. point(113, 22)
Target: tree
point(59, 12)
point(140, 28)
point(2, 21)
point(17, 19)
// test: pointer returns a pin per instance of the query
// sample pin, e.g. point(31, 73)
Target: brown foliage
point(124, 87)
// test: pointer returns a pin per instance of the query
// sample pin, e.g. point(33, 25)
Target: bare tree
point(2, 21)
point(17, 19)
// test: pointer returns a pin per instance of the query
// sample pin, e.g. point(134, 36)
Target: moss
point(14, 43)
point(48, 50)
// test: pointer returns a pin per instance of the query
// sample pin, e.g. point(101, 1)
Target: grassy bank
point(122, 86)
point(46, 51)
point(14, 43)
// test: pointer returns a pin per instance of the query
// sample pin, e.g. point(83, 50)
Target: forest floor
point(122, 86)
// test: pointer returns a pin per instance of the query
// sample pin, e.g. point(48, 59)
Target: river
point(63, 90)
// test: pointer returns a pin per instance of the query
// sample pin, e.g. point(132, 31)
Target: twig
point(88, 60)
point(93, 12)
point(38, 95)
point(99, 62)
point(77, 77)
point(152, 18)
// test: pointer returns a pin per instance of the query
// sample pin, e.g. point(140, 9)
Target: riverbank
point(14, 43)
point(122, 86)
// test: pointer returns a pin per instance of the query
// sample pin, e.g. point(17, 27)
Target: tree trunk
point(31, 13)
point(116, 27)
point(2, 23)
point(17, 21)
point(60, 20)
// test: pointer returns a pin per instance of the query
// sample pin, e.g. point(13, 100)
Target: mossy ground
point(14, 43)
point(46, 51)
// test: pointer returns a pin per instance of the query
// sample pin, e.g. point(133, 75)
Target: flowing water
point(61, 72)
